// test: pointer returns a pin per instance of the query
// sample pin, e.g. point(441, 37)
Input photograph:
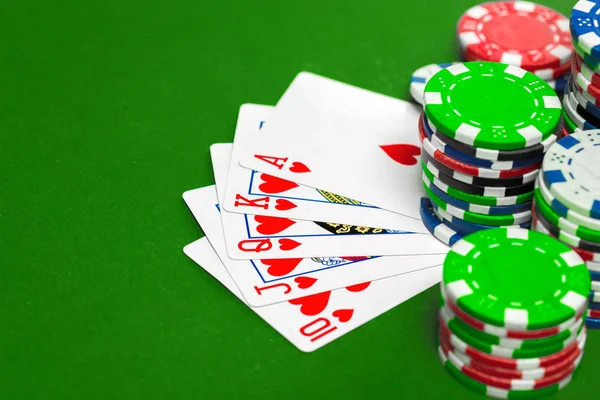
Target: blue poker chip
point(476, 208)
point(464, 227)
point(592, 323)
point(559, 84)
point(595, 276)
point(421, 76)
point(594, 296)
point(593, 306)
point(437, 228)
point(468, 159)
point(585, 22)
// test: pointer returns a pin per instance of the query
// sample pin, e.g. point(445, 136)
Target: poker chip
point(475, 208)
point(518, 33)
point(463, 227)
point(570, 362)
point(592, 323)
point(507, 332)
point(435, 226)
point(594, 296)
point(569, 170)
point(493, 220)
point(563, 223)
point(593, 306)
point(585, 112)
point(479, 181)
point(546, 74)
point(473, 282)
point(473, 198)
point(559, 84)
point(588, 256)
point(569, 124)
point(564, 236)
point(512, 348)
point(574, 117)
point(584, 26)
point(583, 104)
point(532, 152)
point(519, 175)
point(420, 77)
point(470, 160)
point(502, 118)
point(563, 211)
point(580, 93)
point(474, 189)
point(505, 362)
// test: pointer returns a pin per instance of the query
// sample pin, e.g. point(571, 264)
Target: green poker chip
point(571, 126)
point(474, 198)
point(497, 392)
point(500, 351)
point(489, 275)
point(485, 219)
point(563, 223)
point(492, 105)
point(491, 340)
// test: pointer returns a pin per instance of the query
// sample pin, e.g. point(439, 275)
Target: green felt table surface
point(107, 111)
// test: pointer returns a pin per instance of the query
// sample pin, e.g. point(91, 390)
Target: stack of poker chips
point(484, 132)
point(582, 95)
point(511, 316)
point(520, 33)
point(567, 204)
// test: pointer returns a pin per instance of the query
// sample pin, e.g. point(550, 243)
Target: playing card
point(267, 281)
point(257, 193)
point(256, 236)
point(313, 321)
point(345, 140)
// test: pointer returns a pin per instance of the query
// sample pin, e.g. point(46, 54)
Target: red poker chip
point(544, 73)
point(502, 382)
point(518, 33)
point(565, 132)
point(508, 363)
point(468, 169)
point(514, 373)
point(593, 313)
point(591, 86)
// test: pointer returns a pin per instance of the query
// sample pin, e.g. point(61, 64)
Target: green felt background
point(107, 110)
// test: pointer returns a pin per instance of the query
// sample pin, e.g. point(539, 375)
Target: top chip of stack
point(511, 317)
point(520, 33)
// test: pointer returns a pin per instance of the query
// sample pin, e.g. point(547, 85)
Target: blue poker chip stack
point(581, 100)
point(567, 204)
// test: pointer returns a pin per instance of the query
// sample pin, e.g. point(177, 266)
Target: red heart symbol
point(284, 205)
point(313, 304)
point(405, 154)
point(281, 266)
point(343, 315)
point(304, 282)
point(299, 167)
point(358, 288)
point(272, 225)
point(272, 184)
point(288, 244)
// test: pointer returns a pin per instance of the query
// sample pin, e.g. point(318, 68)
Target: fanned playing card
point(345, 140)
point(258, 193)
point(313, 321)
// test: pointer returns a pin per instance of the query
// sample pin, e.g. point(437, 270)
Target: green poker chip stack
point(484, 131)
point(512, 312)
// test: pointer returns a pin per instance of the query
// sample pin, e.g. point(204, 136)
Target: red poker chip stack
point(524, 34)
